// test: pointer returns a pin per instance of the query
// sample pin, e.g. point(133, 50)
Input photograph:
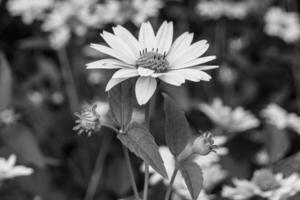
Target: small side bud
point(204, 144)
point(201, 145)
point(88, 120)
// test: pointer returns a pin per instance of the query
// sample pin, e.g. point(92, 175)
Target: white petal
point(125, 73)
point(194, 51)
point(114, 81)
point(145, 72)
point(194, 75)
point(164, 37)
point(129, 39)
point(194, 62)
point(118, 45)
point(147, 37)
point(144, 89)
point(11, 161)
point(112, 52)
point(180, 44)
point(205, 67)
point(108, 63)
point(173, 78)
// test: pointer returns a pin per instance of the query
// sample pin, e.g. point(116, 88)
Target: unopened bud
point(88, 120)
point(203, 144)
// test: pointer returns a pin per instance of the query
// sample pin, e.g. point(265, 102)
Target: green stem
point(131, 175)
point(98, 169)
point(146, 179)
point(297, 89)
point(146, 183)
point(68, 79)
point(169, 190)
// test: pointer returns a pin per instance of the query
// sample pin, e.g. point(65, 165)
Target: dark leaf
point(192, 175)
point(119, 98)
point(19, 138)
point(140, 141)
point(5, 83)
point(177, 130)
point(277, 143)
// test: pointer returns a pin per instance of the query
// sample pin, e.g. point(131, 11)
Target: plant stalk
point(169, 190)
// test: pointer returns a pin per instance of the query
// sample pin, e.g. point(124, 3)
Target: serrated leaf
point(193, 178)
point(177, 130)
point(5, 83)
point(19, 138)
point(120, 101)
point(140, 141)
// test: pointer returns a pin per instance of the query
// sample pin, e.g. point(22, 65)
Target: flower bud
point(203, 144)
point(88, 120)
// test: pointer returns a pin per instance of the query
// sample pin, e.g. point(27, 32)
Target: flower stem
point(146, 179)
point(98, 169)
point(68, 79)
point(146, 183)
point(131, 175)
point(168, 193)
point(297, 89)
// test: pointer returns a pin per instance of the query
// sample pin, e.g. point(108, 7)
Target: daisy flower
point(152, 56)
point(9, 169)
point(264, 184)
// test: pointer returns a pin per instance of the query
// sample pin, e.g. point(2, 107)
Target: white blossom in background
point(9, 169)
point(152, 56)
point(29, 10)
point(8, 116)
point(227, 118)
point(282, 24)
point(215, 9)
point(280, 118)
point(213, 172)
point(264, 184)
point(144, 9)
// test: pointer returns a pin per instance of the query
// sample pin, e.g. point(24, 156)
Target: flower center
point(265, 180)
point(154, 61)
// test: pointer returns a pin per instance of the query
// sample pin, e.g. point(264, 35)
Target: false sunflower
point(151, 57)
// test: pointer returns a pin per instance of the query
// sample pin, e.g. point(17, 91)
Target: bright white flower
point(29, 10)
point(145, 9)
point(8, 169)
point(264, 184)
point(151, 57)
point(282, 24)
point(8, 116)
point(230, 120)
point(212, 170)
point(218, 8)
point(280, 118)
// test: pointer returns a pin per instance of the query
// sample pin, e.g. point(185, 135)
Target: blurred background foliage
point(44, 47)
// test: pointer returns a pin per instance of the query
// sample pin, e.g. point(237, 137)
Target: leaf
point(5, 83)
point(192, 175)
point(289, 165)
point(140, 141)
point(19, 138)
point(119, 98)
point(277, 143)
point(177, 130)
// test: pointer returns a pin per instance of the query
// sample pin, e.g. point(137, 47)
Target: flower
point(9, 170)
point(88, 119)
point(152, 56)
point(280, 118)
point(8, 116)
point(282, 24)
point(212, 170)
point(264, 184)
point(29, 10)
point(216, 9)
point(231, 120)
